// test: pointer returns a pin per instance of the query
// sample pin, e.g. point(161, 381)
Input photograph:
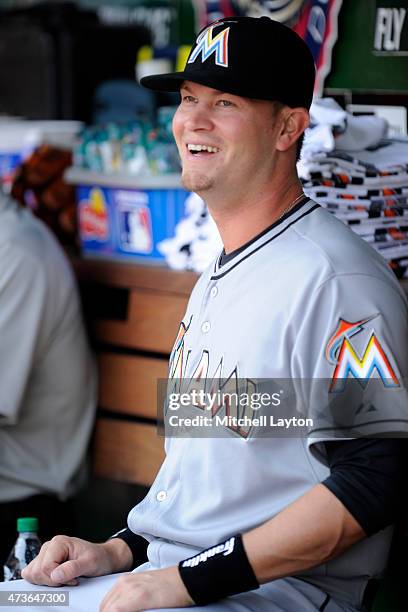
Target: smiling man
point(229, 147)
point(246, 522)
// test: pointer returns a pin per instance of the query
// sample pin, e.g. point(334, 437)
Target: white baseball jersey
point(306, 299)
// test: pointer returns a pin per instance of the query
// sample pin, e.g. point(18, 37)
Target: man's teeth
point(197, 147)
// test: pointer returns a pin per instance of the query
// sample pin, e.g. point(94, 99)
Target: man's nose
point(199, 118)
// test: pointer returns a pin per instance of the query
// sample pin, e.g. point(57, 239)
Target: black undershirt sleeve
point(136, 543)
point(369, 477)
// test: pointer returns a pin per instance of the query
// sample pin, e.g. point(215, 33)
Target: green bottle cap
point(27, 524)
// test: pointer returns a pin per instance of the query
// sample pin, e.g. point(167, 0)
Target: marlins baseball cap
point(253, 57)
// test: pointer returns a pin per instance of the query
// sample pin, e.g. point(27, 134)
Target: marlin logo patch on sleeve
point(207, 45)
point(345, 329)
point(341, 352)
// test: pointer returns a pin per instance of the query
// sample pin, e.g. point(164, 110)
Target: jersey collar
point(225, 263)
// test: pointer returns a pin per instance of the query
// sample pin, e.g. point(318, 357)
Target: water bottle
point(26, 548)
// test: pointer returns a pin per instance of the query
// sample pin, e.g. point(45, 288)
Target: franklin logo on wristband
point(218, 572)
point(226, 548)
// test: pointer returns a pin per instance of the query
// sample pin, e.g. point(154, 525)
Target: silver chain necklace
point(291, 205)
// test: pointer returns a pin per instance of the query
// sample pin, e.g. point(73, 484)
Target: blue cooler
point(124, 217)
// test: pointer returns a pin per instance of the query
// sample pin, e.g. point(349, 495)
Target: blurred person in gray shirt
point(47, 378)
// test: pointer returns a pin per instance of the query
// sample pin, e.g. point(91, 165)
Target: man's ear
point(295, 121)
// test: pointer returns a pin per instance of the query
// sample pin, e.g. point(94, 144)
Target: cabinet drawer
point(127, 451)
point(128, 384)
point(152, 322)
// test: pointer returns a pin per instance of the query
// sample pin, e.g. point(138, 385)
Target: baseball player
point(243, 521)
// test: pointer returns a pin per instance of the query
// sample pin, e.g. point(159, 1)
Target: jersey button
point(161, 496)
point(214, 291)
point(205, 328)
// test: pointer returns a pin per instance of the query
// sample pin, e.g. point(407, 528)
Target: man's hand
point(63, 559)
point(147, 590)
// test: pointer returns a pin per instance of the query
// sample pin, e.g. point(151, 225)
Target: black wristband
point(136, 543)
point(218, 572)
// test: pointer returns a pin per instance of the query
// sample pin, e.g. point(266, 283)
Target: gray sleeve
point(351, 355)
point(22, 299)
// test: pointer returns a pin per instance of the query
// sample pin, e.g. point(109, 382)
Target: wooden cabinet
point(133, 314)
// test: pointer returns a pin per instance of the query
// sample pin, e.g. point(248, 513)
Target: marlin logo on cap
point(207, 45)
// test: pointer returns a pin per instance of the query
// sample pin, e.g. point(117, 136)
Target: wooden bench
point(133, 314)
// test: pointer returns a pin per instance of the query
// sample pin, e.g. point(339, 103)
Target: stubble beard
point(194, 181)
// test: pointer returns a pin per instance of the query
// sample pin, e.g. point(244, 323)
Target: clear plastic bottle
point(26, 548)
